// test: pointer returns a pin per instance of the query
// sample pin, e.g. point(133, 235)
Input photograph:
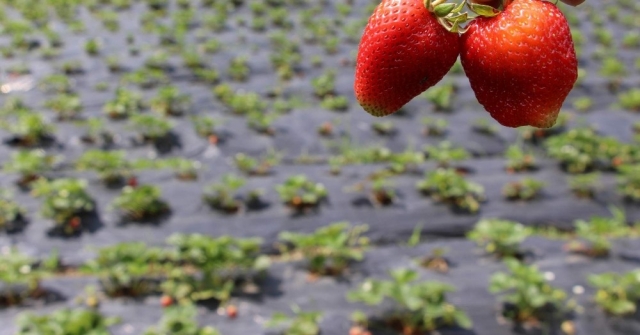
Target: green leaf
point(415, 236)
point(463, 320)
point(621, 307)
point(444, 9)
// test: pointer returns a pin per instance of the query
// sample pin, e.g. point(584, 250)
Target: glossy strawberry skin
point(521, 63)
point(403, 51)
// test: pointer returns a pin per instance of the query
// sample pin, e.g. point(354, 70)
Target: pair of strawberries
point(521, 63)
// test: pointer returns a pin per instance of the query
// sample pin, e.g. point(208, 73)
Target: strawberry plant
point(382, 192)
point(384, 128)
point(301, 194)
point(518, 160)
point(47, 52)
point(406, 161)
point(580, 150)
point(583, 104)
point(150, 128)
point(145, 77)
point(239, 69)
point(12, 215)
point(330, 249)
point(484, 126)
point(30, 164)
point(445, 153)
point(280, 17)
point(113, 64)
point(125, 103)
point(304, 323)
point(629, 182)
point(500, 237)
point(613, 69)
point(56, 83)
point(584, 185)
point(159, 60)
point(65, 202)
point(184, 169)
point(96, 133)
point(324, 85)
point(206, 126)
point(352, 154)
point(631, 40)
point(110, 22)
point(259, 23)
point(140, 203)
point(241, 103)
point(335, 102)
point(112, 166)
point(594, 235)
point(216, 21)
point(28, 129)
point(17, 269)
point(72, 67)
point(209, 76)
point(14, 106)
point(617, 294)
point(447, 185)
point(66, 321)
point(192, 59)
point(219, 263)
point(528, 298)
point(129, 269)
point(436, 261)
point(180, 320)
point(262, 122)
point(525, 189)
point(285, 60)
point(18, 70)
point(575, 149)
point(225, 93)
point(419, 307)
point(252, 166)
point(170, 102)
point(66, 106)
point(630, 100)
point(441, 96)
point(222, 195)
point(434, 126)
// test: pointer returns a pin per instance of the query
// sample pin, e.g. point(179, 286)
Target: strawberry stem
point(451, 16)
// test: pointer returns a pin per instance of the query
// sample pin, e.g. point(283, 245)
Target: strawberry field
point(203, 167)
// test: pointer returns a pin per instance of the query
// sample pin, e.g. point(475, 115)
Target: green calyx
point(451, 15)
point(444, 9)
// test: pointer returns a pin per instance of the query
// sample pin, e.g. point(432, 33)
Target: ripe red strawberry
point(403, 51)
point(166, 301)
point(132, 181)
point(521, 63)
point(232, 311)
point(75, 222)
